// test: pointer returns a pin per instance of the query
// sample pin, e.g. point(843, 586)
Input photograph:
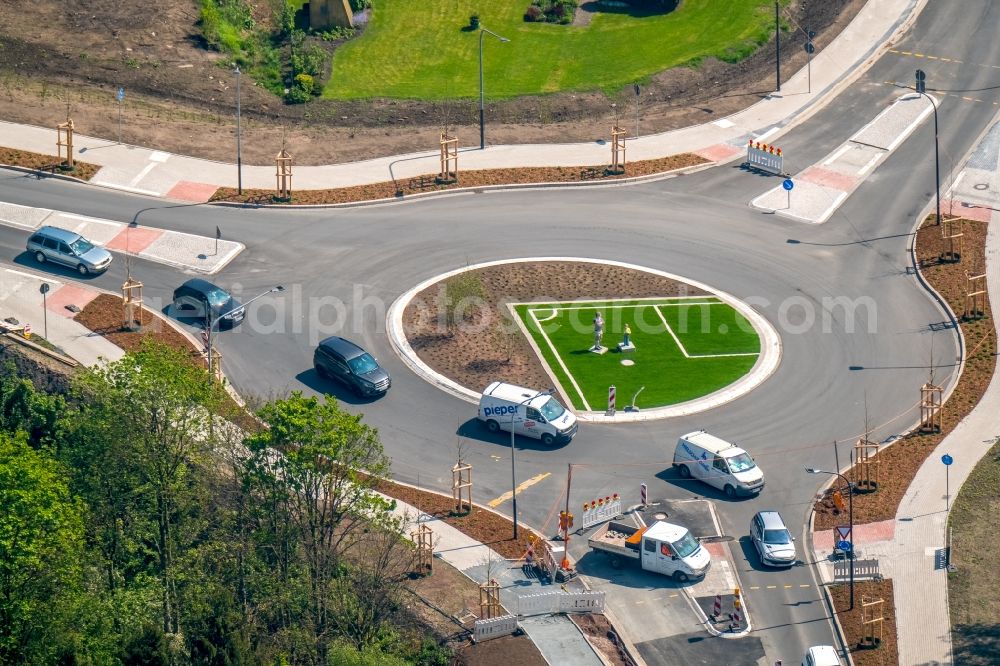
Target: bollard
point(642, 494)
point(717, 608)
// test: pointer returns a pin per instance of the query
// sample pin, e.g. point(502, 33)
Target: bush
point(533, 14)
point(551, 11)
point(306, 82)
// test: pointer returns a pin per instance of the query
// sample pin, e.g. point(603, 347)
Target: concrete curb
point(821, 583)
point(767, 361)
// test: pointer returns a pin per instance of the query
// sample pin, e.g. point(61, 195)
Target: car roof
point(59, 234)
point(771, 520)
point(825, 655)
point(663, 531)
point(198, 284)
point(517, 394)
point(712, 443)
point(342, 346)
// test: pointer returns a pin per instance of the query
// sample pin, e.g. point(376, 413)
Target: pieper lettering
point(501, 410)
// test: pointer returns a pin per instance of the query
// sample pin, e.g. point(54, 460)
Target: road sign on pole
point(788, 185)
point(921, 78)
point(120, 96)
point(947, 460)
point(844, 531)
point(844, 546)
point(44, 289)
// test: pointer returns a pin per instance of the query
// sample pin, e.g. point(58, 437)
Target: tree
point(151, 414)
point(23, 408)
point(41, 543)
point(313, 470)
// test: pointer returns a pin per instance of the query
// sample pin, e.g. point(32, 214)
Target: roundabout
point(699, 349)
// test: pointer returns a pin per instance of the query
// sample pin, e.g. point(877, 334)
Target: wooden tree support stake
point(489, 600)
point(131, 304)
point(449, 159)
point(617, 150)
point(865, 459)
point(931, 407)
point(871, 621)
point(283, 176)
point(975, 296)
point(461, 483)
point(423, 538)
point(64, 141)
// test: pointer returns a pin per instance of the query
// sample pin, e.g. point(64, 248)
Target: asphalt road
point(833, 372)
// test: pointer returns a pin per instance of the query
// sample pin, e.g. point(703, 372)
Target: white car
point(821, 655)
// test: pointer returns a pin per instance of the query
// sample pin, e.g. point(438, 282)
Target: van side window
point(650, 546)
point(720, 464)
point(665, 549)
point(534, 414)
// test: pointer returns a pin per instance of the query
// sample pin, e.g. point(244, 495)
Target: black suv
point(343, 360)
point(197, 298)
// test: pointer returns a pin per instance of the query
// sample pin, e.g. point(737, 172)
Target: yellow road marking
point(788, 587)
point(917, 55)
point(969, 99)
point(527, 484)
point(930, 57)
point(805, 585)
point(771, 587)
point(903, 52)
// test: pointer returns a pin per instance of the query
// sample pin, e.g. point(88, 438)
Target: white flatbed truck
point(662, 548)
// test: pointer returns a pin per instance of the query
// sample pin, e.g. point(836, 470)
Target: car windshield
point(363, 364)
point(217, 297)
point(740, 463)
point(777, 536)
point(552, 410)
point(81, 246)
point(686, 545)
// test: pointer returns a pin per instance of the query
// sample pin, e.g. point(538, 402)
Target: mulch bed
point(489, 528)
point(900, 462)
point(602, 635)
point(39, 162)
point(851, 621)
point(104, 316)
point(476, 178)
point(512, 650)
point(472, 355)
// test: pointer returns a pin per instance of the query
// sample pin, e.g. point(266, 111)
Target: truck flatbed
point(617, 538)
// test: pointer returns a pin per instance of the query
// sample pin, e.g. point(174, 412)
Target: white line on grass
point(580, 301)
point(626, 305)
point(562, 365)
point(671, 332)
point(684, 351)
point(554, 311)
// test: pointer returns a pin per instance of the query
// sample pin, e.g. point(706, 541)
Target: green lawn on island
point(418, 50)
point(685, 348)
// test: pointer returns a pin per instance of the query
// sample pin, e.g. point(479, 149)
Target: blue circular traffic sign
point(788, 184)
point(844, 546)
point(947, 460)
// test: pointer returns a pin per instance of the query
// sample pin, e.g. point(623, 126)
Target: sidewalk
point(555, 636)
point(162, 174)
point(910, 547)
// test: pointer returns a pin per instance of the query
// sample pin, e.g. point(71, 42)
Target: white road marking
point(562, 365)
point(871, 163)
point(837, 154)
point(142, 174)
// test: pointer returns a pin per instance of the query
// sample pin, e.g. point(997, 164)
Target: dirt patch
point(46, 163)
point(500, 652)
point(46, 373)
point(104, 316)
point(476, 178)
point(851, 621)
point(603, 637)
point(900, 462)
point(180, 100)
point(477, 353)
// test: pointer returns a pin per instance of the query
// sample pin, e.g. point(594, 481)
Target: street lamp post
point(920, 88)
point(777, 45)
point(482, 112)
point(239, 158)
point(211, 321)
point(513, 474)
point(850, 520)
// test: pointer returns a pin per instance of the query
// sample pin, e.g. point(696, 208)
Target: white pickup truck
point(662, 548)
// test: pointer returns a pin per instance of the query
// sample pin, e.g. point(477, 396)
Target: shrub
point(533, 14)
point(551, 11)
point(305, 82)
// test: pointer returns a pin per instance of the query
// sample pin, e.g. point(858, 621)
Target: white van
point(718, 463)
point(530, 413)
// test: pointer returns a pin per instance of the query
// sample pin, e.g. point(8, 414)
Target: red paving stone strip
point(187, 190)
point(973, 212)
point(134, 240)
point(883, 530)
point(828, 178)
point(719, 152)
point(69, 294)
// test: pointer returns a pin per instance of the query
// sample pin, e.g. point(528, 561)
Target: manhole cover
point(660, 515)
point(628, 361)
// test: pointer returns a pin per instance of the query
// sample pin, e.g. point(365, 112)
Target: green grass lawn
point(418, 50)
point(707, 346)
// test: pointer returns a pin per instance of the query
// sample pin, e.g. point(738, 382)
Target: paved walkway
point(910, 548)
point(158, 173)
point(555, 636)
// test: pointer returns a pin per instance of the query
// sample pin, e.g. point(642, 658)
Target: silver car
point(775, 544)
point(68, 248)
